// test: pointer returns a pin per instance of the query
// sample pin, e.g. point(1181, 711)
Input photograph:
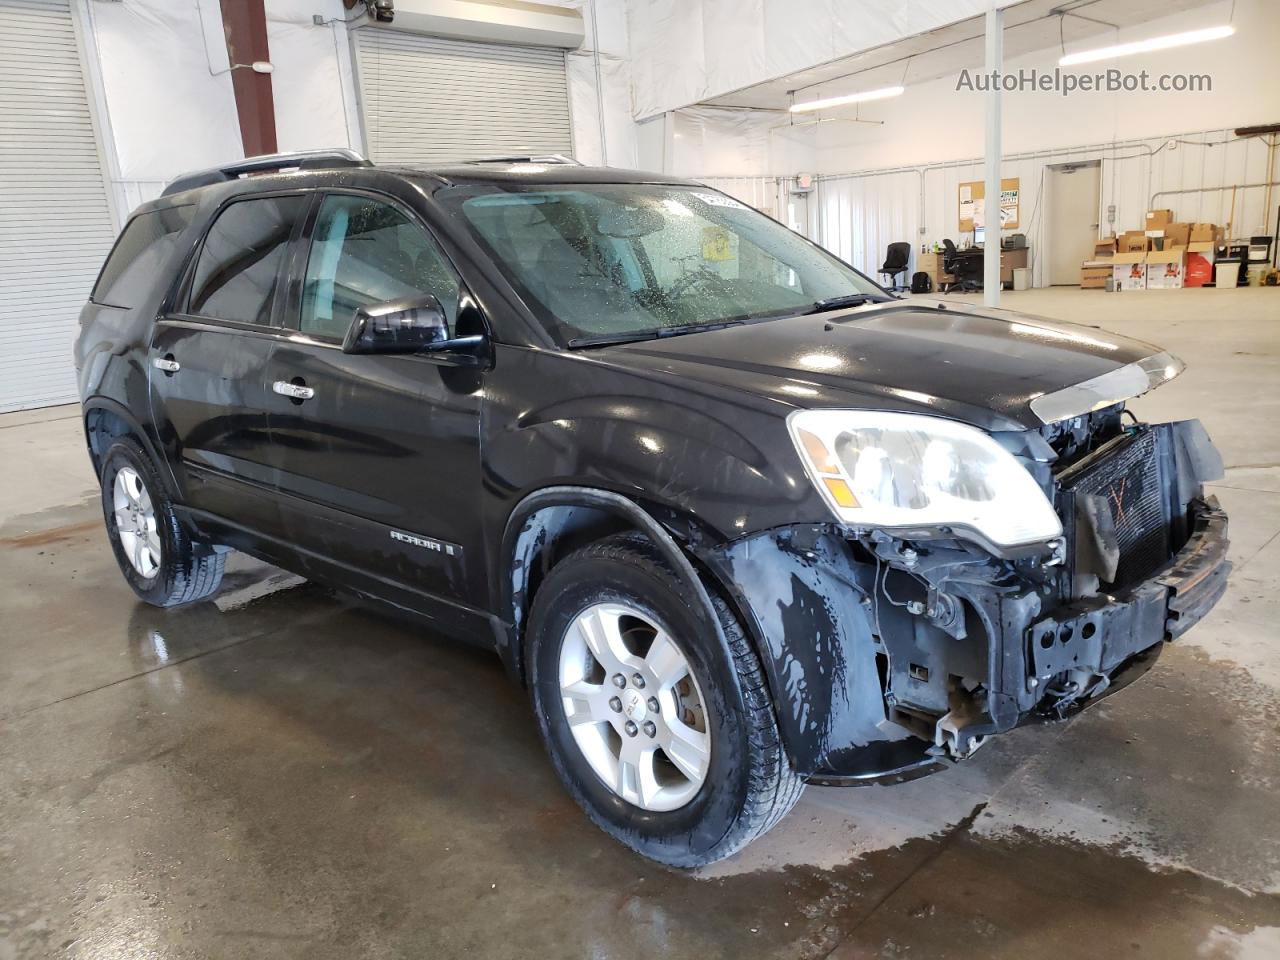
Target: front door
point(1073, 219)
point(379, 458)
point(208, 364)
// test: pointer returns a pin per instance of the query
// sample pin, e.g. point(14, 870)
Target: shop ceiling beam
point(991, 191)
point(245, 24)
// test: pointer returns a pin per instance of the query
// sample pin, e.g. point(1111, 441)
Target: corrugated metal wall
point(766, 194)
point(55, 221)
point(860, 214)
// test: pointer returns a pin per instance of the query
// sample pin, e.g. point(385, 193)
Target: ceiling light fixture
point(881, 94)
point(1146, 46)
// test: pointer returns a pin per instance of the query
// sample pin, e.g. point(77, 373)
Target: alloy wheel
point(634, 706)
point(135, 519)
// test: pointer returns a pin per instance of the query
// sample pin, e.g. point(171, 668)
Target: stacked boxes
point(1095, 273)
point(1165, 268)
point(1130, 270)
point(1164, 255)
point(1132, 241)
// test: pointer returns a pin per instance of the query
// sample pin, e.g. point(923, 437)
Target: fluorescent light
point(881, 94)
point(1146, 46)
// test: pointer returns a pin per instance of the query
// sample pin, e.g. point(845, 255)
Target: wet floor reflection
point(292, 773)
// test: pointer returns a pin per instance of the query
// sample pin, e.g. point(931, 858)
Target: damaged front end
point(890, 654)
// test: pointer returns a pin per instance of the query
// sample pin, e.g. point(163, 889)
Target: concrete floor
point(279, 773)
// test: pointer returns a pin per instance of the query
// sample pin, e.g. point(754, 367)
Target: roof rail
point(301, 160)
point(540, 158)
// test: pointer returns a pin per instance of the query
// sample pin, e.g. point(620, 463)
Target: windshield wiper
point(607, 339)
point(847, 300)
point(700, 327)
point(656, 333)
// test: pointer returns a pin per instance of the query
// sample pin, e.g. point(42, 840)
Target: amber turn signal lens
point(840, 492)
point(819, 455)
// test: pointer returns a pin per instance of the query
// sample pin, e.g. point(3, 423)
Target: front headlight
point(907, 470)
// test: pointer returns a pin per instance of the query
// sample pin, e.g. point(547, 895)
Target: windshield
point(609, 261)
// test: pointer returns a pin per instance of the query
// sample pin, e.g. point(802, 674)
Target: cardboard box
point(1094, 274)
point(1165, 268)
point(1169, 235)
point(1199, 268)
point(1177, 234)
point(1158, 218)
point(1132, 241)
point(1202, 233)
point(1129, 269)
point(1105, 248)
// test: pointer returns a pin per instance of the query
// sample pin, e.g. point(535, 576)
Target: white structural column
point(991, 202)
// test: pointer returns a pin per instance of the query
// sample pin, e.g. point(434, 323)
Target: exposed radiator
point(1126, 474)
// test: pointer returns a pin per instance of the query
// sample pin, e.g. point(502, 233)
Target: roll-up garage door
point(428, 100)
point(55, 225)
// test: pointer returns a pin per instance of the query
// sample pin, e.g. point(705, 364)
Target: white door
point(428, 100)
point(1073, 219)
point(55, 224)
point(798, 212)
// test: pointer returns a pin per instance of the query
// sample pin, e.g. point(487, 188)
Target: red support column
point(245, 24)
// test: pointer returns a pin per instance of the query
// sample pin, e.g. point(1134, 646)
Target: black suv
point(737, 517)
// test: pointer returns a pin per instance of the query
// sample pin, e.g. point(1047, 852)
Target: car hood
point(986, 367)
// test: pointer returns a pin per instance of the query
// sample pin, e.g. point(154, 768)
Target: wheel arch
point(104, 420)
point(550, 523)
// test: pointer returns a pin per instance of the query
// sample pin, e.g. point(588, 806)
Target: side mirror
point(413, 325)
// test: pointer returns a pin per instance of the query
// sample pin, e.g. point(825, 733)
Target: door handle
point(166, 363)
point(296, 392)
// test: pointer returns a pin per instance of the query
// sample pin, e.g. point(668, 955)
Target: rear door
point(380, 462)
point(208, 362)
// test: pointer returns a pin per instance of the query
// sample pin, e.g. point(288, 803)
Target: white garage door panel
point(55, 224)
point(427, 100)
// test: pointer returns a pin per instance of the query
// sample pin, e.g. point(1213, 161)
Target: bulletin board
point(972, 207)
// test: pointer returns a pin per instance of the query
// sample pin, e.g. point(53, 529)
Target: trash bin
point(1021, 278)
point(1226, 273)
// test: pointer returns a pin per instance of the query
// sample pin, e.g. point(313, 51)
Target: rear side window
point(242, 259)
point(140, 252)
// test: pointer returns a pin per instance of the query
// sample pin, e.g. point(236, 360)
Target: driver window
point(362, 252)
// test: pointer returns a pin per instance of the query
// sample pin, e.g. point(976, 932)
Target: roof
point(536, 169)
point(521, 172)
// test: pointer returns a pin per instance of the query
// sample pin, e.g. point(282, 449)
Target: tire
point(748, 784)
point(185, 569)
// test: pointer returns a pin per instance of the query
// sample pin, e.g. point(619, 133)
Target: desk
point(1009, 261)
point(931, 263)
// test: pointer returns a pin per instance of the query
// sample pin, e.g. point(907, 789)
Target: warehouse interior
point(286, 771)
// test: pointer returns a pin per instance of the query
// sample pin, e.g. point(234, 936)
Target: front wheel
point(666, 740)
point(163, 564)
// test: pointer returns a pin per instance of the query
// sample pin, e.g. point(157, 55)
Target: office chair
point(964, 269)
point(949, 265)
point(895, 262)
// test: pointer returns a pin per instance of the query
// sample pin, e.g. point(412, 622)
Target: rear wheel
point(666, 740)
point(163, 564)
